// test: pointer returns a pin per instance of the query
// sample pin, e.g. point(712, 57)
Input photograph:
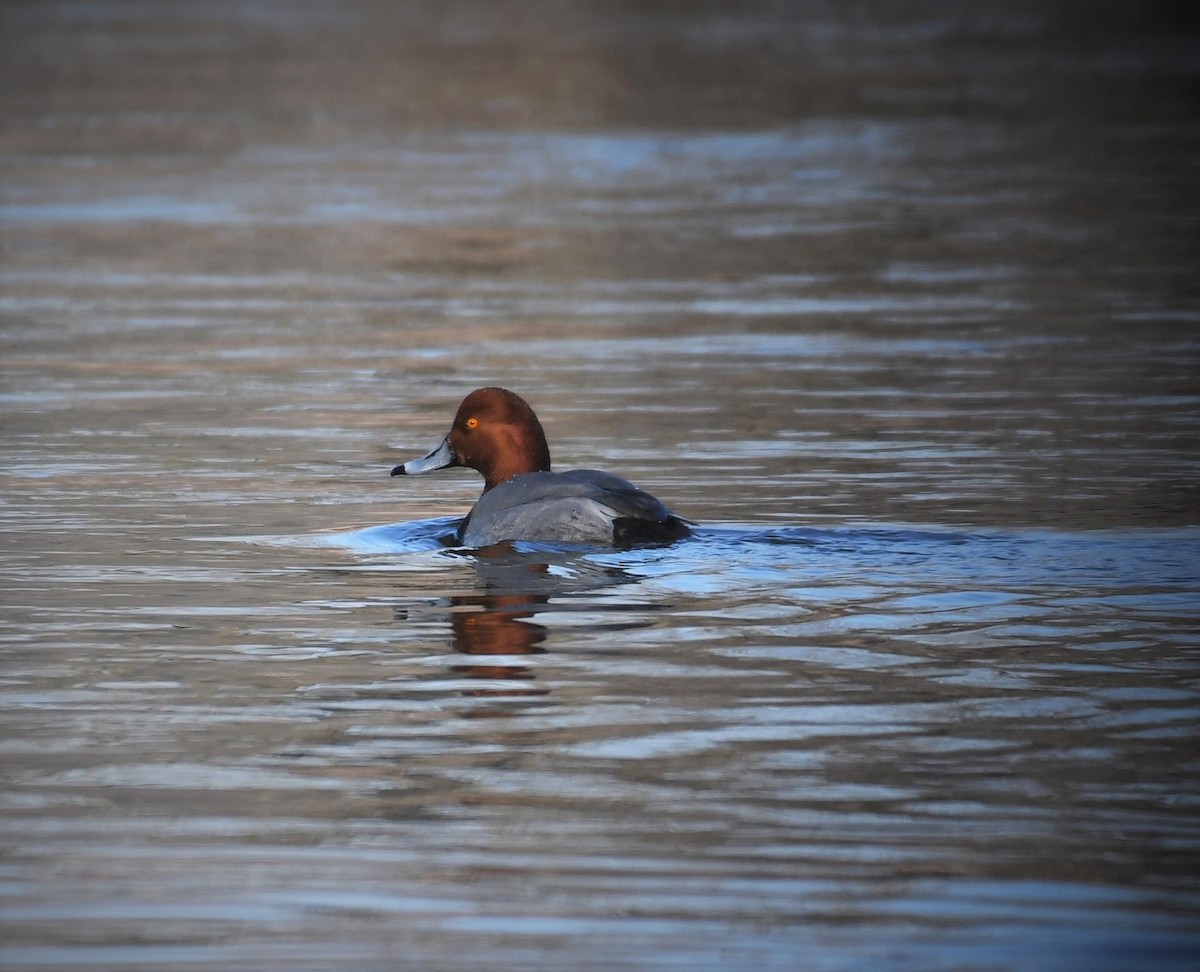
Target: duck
point(497, 433)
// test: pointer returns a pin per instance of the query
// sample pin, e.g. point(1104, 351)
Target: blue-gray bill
point(439, 458)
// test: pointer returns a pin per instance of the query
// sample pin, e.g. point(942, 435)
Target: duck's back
point(583, 506)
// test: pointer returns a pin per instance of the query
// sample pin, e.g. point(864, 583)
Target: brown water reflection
point(898, 301)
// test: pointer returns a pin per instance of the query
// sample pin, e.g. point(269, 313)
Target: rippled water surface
point(901, 309)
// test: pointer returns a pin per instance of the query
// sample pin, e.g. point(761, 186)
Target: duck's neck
point(524, 455)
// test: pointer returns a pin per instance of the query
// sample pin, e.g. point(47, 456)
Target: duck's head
point(496, 432)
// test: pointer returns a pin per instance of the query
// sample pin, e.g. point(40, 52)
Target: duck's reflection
point(497, 624)
point(499, 620)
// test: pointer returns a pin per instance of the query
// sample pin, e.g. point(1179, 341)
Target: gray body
point(584, 506)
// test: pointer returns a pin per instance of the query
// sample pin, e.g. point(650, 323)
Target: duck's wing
point(637, 516)
point(620, 495)
point(580, 506)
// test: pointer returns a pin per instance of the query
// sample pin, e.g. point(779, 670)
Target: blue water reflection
point(1106, 590)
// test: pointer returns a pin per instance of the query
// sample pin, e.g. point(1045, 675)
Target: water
point(903, 313)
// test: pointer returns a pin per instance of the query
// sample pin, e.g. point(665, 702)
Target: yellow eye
point(472, 423)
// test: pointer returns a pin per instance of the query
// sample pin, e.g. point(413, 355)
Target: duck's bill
point(440, 458)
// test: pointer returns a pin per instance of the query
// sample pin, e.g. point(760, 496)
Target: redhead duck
point(497, 433)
